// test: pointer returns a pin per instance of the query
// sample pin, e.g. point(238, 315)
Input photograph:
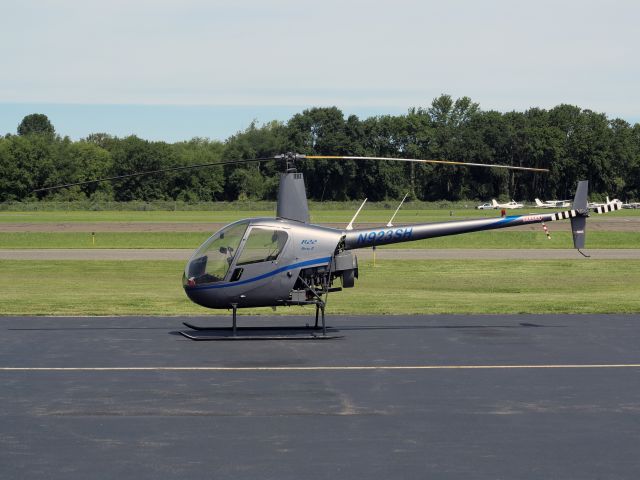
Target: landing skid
point(200, 328)
point(260, 333)
point(222, 334)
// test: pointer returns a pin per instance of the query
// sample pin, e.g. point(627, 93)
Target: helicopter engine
point(314, 282)
point(346, 265)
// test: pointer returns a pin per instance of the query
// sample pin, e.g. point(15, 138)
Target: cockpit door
point(259, 254)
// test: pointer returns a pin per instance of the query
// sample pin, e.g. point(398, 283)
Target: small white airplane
point(511, 204)
point(553, 203)
point(485, 206)
point(609, 202)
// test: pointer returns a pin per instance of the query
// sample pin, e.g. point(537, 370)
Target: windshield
point(211, 261)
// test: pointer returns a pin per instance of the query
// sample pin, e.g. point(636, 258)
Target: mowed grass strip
point(336, 215)
point(196, 216)
point(392, 287)
point(191, 240)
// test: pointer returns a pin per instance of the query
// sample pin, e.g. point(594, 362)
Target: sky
point(175, 69)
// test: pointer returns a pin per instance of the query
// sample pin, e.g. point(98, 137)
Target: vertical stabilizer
point(579, 223)
point(580, 200)
point(292, 198)
point(578, 228)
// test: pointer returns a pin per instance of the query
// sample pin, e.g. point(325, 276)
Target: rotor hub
point(289, 159)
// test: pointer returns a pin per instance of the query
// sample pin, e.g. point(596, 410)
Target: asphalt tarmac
point(402, 397)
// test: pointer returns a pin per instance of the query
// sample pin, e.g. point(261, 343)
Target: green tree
point(26, 163)
point(449, 120)
point(572, 143)
point(633, 174)
point(257, 180)
point(201, 184)
point(36, 123)
point(322, 131)
point(80, 162)
point(386, 136)
point(131, 155)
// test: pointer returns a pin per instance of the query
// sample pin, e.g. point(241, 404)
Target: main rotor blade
point(418, 160)
point(160, 170)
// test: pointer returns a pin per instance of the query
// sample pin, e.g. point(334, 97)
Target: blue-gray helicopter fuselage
point(263, 265)
point(266, 262)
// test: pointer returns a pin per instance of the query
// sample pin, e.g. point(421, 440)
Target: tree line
point(573, 143)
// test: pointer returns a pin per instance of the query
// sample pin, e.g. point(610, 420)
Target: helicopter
point(286, 260)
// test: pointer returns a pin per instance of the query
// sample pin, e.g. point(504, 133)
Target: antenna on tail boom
point(350, 226)
point(397, 210)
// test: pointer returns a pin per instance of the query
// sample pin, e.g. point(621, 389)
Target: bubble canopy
point(211, 262)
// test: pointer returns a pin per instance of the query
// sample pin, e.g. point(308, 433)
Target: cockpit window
point(211, 261)
point(263, 244)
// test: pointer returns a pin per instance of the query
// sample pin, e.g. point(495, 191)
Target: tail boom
point(363, 238)
point(408, 233)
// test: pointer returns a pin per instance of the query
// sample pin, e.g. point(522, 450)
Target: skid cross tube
point(234, 307)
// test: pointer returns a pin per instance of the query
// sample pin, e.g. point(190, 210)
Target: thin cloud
point(506, 55)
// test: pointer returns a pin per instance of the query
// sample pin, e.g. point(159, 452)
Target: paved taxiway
point(550, 396)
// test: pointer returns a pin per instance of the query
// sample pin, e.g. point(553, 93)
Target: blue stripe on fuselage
point(501, 221)
point(509, 219)
point(306, 263)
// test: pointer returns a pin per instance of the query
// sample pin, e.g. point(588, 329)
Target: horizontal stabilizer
point(609, 207)
point(565, 215)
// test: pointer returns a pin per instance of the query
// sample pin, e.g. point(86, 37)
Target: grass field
point(227, 216)
point(191, 240)
point(393, 287)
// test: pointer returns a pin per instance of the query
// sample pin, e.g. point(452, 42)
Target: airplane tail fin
point(539, 203)
point(579, 222)
point(494, 203)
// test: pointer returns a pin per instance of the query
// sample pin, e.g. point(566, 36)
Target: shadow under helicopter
point(291, 332)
